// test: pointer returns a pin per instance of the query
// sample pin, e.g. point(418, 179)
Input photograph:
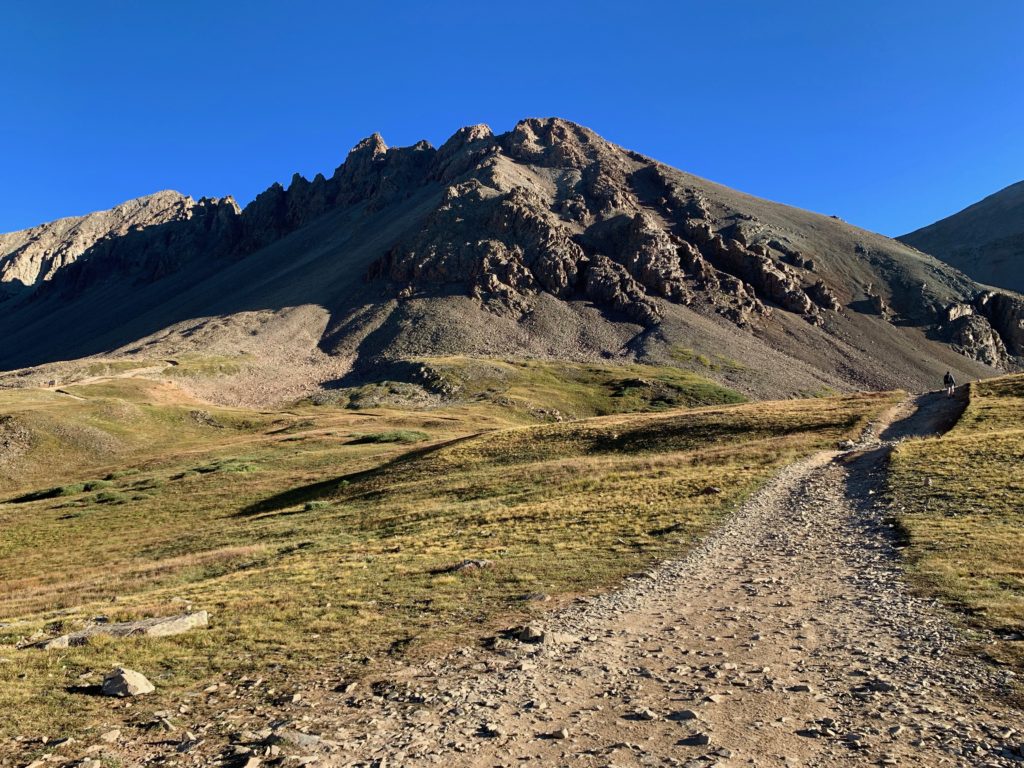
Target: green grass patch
point(960, 501)
point(206, 365)
point(405, 436)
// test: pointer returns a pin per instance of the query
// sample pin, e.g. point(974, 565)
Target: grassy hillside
point(539, 389)
point(961, 503)
point(321, 538)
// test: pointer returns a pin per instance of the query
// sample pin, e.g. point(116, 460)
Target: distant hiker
point(949, 383)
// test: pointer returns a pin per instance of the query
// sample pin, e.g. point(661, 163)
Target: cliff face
point(37, 254)
point(542, 241)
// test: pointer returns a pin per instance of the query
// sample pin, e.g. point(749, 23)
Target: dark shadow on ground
point(936, 414)
point(317, 491)
point(85, 690)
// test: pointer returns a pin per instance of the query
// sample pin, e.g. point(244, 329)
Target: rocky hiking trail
point(788, 637)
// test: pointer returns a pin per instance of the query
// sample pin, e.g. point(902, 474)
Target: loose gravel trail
point(787, 638)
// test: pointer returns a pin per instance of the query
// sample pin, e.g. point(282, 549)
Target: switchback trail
point(788, 637)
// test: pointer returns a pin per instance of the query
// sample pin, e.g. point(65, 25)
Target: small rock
point(491, 730)
point(696, 740)
point(126, 682)
point(293, 737)
point(683, 715)
point(111, 736)
point(531, 633)
point(469, 565)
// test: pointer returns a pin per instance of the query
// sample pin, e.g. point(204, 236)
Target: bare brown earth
point(789, 637)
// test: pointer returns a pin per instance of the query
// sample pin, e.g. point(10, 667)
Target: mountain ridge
point(985, 240)
point(545, 241)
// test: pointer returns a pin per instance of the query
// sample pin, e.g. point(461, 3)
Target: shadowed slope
point(985, 240)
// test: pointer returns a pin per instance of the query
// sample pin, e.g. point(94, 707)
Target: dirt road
point(787, 638)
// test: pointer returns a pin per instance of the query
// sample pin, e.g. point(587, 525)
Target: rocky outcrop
point(37, 254)
point(652, 257)
point(772, 281)
point(823, 296)
point(608, 283)
point(466, 149)
point(502, 244)
point(972, 335)
point(163, 626)
point(877, 305)
point(1006, 314)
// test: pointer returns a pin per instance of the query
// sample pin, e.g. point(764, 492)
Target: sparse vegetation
point(329, 553)
point(205, 365)
point(712, 362)
point(537, 389)
point(959, 502)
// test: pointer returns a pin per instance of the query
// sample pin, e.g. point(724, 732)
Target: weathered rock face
point(1006, 314)
point(523, 249)
point(972, 335)
point(823, 296)
point(608, 283)
point(208, 231)
point(585, 230)
point(37, 254)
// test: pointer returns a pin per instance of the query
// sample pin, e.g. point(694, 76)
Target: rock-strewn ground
point(788, 638)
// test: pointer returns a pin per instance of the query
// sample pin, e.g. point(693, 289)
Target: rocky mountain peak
point(546, 240)
point(554, 141)
point(367, 150)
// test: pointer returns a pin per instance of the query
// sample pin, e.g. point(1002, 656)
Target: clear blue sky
point(889, 113)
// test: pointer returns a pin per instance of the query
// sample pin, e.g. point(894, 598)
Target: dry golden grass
point(316, 549)
point(961, 504)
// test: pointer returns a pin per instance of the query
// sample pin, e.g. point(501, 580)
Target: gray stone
point(164, 626)
point(126, 682)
